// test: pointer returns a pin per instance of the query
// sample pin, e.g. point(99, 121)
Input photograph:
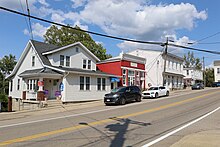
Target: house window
point(103, 83)
point(98, 83)
point(67, 60)
point(124, 76)
point(87, 83)
point(81, 83)
point(77, 49)
point(33, 61)
point(11, 86)
point(89, 64)
point(32, 84)
point(218, 70)
point(61, 60)
point(187, 72)
point(84, 64)
point(18, 84)
point(131, 77)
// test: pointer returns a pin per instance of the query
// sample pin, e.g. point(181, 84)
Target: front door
point(53, 88)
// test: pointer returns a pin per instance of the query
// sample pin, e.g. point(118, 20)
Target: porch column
point(40, 92)
point(40, 84)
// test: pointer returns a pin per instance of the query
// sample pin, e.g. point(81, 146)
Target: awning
point(114, 79)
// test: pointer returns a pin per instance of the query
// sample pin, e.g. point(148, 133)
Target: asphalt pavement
point(201, 139)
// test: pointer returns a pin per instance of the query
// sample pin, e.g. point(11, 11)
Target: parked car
point(198, 86)
point(121, 95)
point(216, 84)
point(155, 91)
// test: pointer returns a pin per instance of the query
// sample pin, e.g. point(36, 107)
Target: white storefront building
point(170, 75)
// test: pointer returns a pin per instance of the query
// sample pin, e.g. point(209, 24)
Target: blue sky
point(149, 20)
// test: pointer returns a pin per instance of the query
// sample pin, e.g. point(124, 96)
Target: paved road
point(177, 120)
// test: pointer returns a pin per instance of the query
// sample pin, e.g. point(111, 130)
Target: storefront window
point(124, 76)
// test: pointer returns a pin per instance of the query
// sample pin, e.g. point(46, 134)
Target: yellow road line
point(22, 139)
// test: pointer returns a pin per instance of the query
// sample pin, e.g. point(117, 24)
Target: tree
point(209, 76)
point(191, 62)
point(7, 64)
point(65, 36)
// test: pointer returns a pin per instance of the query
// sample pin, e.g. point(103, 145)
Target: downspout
point(64, 77)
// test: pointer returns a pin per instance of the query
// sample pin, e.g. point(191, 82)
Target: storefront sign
point(133, 64)
point(40, 83)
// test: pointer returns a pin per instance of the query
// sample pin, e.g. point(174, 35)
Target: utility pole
point(165, 61)
point(204, 76)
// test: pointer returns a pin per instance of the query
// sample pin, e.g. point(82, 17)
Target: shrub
point(4, 102)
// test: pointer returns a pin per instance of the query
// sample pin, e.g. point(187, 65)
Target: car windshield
point(153, 88)
point(118, 89)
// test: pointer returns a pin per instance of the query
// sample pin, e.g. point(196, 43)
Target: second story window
point(187, 72)
point(61, 60)
point(18, 84)
point(218, 70)
point(89, 64)
point(67, 60)
point(33, 61)
point(84, 64)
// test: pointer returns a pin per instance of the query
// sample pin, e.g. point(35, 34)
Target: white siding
point(25, 65)
point(216, 74)
point(73, 92)
point(155, 66)
point(76, 58)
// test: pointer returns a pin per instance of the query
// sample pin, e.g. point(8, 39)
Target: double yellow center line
point(22, 139)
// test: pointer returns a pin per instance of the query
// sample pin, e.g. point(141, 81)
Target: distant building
point(131, 69)
point(192, 76)
point(154, 67)
point(217, 70)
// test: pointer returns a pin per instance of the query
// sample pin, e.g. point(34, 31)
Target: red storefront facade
point(131, 69)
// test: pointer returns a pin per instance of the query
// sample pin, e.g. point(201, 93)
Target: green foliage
point(4, 102)
point(7, 64)
point(191, 62)
point(209, 76)
point(65, 36)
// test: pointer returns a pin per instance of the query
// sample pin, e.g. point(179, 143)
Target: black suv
point(121, 95)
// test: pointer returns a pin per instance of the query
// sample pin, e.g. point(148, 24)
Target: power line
point(28, 10)
point(206, 37)
point(109, 36)
point(209, 43)
point(90, 32)
point(195, 49)
point(25, 17)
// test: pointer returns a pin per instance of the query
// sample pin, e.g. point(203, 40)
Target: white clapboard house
point(68, 72)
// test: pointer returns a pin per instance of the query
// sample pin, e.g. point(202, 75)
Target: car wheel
point(168, 93)
point(138, 99)
point(156, 95)
point(122, 101)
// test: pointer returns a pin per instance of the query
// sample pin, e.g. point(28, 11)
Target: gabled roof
point(41, 47)
point(216, 62)
point(71, 45)
point(124, 56)
point(40, 71)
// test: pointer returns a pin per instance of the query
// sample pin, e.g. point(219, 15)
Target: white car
point(156, 91)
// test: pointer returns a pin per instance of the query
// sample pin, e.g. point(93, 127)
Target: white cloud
point(83, 27)
point(38, 30)
point(127, 46)
point(133, 19)
point(43, 2)
point(57, 18)
point(78, 3)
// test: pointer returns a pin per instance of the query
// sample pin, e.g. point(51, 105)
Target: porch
point(41, 84)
